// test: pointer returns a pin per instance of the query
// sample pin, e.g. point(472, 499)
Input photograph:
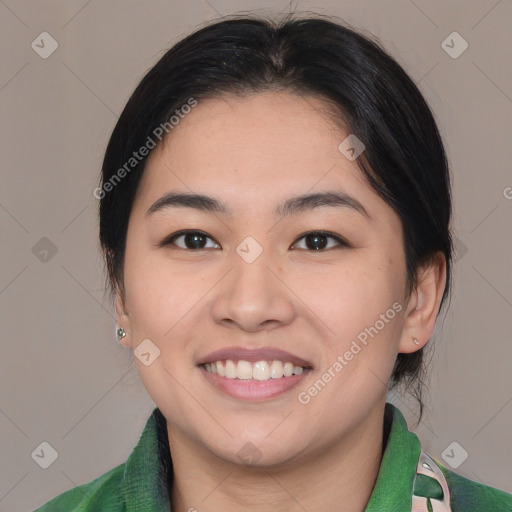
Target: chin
point(257, 452)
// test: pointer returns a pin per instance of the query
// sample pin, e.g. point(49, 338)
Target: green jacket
point(141, 483)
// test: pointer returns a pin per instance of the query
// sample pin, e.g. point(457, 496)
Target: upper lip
point(253, 355)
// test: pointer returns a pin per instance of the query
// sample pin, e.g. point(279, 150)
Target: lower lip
point(254, 390)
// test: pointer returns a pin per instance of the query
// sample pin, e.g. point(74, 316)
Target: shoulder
point(140, 483)
point(467, 495)
point(99, 494)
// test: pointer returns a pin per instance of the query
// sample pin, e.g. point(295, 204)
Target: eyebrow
point(293, 205)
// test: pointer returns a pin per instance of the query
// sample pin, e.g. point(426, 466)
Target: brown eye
point(192, 240)
point(319, 240)
point(198, 240)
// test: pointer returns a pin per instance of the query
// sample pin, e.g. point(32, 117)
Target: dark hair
point(404, 158)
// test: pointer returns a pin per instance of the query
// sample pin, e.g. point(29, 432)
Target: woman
point(275, 216)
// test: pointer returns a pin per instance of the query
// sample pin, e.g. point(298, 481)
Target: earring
point(120, 333)
point(415, 341)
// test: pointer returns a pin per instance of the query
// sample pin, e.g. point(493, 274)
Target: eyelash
point(169, 240)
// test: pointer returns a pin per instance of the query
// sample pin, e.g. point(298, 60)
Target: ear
point(122, 318)
point(423, 306)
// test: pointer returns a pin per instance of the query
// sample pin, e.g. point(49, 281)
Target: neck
point(345, 473)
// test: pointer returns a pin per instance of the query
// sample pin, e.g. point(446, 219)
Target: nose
point(254, 296)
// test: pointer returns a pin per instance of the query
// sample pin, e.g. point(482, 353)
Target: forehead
point(252, 148)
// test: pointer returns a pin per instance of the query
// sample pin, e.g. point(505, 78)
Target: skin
point(252, 153)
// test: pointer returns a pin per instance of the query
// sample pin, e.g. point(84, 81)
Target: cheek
point(351, 297)
point(159, 302)
point(360, 312)
point(163, 303)
point(156, 292)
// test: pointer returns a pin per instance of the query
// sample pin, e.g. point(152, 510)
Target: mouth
point(258, 371)
point(254, 375)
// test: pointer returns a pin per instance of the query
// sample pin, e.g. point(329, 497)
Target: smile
point(253, 382)
point(258, 371)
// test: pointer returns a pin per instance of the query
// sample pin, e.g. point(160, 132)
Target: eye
point(197, 240)
point(193, 240)
point(318, 240)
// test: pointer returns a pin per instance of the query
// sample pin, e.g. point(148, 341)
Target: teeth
point(220, 369)
point(261, 371)
point(276, 369)
point(230, 369)
point(245, 370)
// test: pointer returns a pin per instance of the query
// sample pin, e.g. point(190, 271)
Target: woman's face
point(252, 281)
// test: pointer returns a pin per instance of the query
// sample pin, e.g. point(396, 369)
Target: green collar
point(148, 471)
point(395, 481)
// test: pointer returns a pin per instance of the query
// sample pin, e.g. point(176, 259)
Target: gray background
point(64, 378)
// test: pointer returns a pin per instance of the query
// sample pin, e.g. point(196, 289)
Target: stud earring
point(120, 333)
point(415, 341)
